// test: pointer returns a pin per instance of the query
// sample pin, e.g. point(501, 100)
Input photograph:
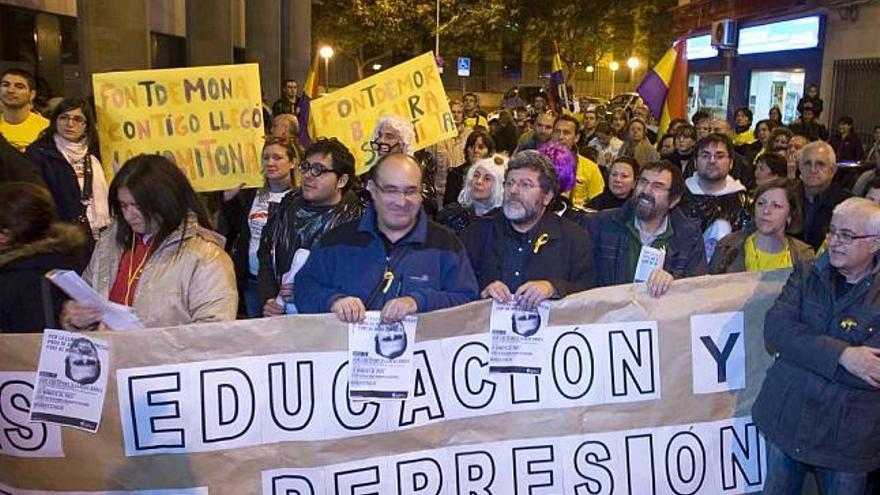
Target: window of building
point(780, 89)
point(69, 39)
point(708, 92)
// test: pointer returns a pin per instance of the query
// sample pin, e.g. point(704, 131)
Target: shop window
point(780, 89)
point(708, 92)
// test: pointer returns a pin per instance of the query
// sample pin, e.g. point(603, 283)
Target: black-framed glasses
point(314, 169)
point(845, 237)
point(385, 147)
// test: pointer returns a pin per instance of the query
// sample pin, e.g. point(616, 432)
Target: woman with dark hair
point(770, 166)
point(775, 117)
point(621, 184)
point(67, 155)
point(479, 145)
point(246, 214)
point(31, 244)
point(160, 256)
point(768, 245)
point(846, 143)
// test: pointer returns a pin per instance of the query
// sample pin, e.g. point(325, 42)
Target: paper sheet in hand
point(517, 340)
point(380, 358)
point(650, 259)
point(71, 380)
point(114, 315)
point(300, 256)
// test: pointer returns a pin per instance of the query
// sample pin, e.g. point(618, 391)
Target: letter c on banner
point(347, 416)
point(463, 376)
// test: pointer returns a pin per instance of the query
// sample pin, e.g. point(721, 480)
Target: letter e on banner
point(718, 352)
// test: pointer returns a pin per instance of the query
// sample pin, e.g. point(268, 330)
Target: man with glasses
point(529, 254)
point(819, 405)
point(324, 201)
point(393, 259)
point(18, 123)
point(648, 224)
point(817, 164)
point(718, 201)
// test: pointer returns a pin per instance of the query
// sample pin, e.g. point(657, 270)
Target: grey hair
point(818, 146)
point(403, 127)
point(861, 208)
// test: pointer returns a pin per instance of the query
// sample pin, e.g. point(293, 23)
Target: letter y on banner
point(718, 352)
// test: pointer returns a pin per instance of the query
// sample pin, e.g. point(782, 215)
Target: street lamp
point(613, 66)
point(633, 64)
point(326, 53)
point(377, 67)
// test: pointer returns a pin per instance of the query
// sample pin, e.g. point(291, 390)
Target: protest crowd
point(526, 204)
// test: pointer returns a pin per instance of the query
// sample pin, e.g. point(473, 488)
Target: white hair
point(403, 127)
point(818, 146)
point(496, 165)
point(861, 208)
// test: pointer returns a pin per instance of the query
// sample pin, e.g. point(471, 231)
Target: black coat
point(565, 260)
point(809, 405)
point(14, 166)
point(817, 216)
point(22, 284)
point(59, 176)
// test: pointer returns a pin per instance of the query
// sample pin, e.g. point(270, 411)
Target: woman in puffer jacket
point(160, 256)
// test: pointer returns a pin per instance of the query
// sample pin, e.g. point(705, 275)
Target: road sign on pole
point(464, 66)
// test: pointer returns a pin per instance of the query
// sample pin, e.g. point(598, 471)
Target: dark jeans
point(785, 476)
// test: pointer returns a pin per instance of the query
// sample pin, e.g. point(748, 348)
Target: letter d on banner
point(228, 404)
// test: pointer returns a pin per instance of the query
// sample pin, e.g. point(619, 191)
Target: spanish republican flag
point(310, 92)
point(664, 88)
point(558, 94)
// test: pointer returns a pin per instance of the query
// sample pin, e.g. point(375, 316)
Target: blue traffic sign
point(464, 66)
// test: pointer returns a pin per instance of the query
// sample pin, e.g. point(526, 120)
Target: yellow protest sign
point(412, 90)
point(208, 120)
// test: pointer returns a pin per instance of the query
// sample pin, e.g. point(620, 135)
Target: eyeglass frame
point(76, 119)
point(844, 238)
point(406, 194)
point(307, 167)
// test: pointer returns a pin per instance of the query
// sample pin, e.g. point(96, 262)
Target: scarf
point(76, 153)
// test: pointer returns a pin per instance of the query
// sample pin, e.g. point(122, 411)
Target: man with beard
point(18, 124)
point(648, 220)
point(529, 254)
point(541, 132)
point(590, 128)
point(393, 259)
point(718, 201)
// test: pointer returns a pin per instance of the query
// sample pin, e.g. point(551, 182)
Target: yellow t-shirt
point(745, 137)
point(759, 261)
point(22, 135)
point(589, 182)
point(479, 120)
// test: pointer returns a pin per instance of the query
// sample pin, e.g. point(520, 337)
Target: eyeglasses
point(717, 156)
point(314, 169)
point(393, 192)
point(656, 186)
point(521, 184)
point(383, 147)
point(76, 119)
point(845, 237)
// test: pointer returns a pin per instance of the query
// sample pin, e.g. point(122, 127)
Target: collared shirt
point(638, 238)
point(518, 246)
point(648, 238)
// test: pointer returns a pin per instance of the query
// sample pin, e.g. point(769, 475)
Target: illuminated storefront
point(772, 66)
